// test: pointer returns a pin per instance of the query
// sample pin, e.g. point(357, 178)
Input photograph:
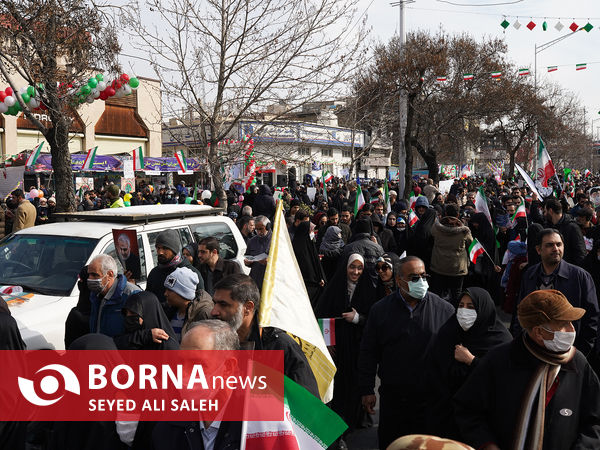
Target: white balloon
point(9, 101)
point(33, 103)
point(90, 99)
point(101, 86)
point(95, 93)
point(22, 90)
point(3, 108)
point(120, 93)
point(127, 89)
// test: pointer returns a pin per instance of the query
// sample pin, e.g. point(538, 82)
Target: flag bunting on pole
point(545, 168)
point(496, 74)
point(523, 72)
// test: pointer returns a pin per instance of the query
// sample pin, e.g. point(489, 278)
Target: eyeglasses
point(415, 278)
point(382, 268)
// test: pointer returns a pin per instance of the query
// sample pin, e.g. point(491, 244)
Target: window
point(110, 250)
point(304, 151)
point(327, 152)
point(184, 236)
point(346, 153)
point(228, 246)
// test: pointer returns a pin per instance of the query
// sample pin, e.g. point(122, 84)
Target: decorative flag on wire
point(496, 74)
point(481, 204)
point(386, 197)
point(328, 330)
point(441, 79)
point(552, 68)
point(412, 218)
point(32, 159)
point(475, 249)
point(308, 424)
point(581, 66)
point(284, 304)
point(180, 157)
point(359, 202)
point(523, 72)
point(138, 159)
point(89, 159)
point(544, 164)
point(467, 76)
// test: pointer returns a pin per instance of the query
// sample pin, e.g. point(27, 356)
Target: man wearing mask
point(536, 391)
point(398, 331)
point(108, 293)
point(169, 258)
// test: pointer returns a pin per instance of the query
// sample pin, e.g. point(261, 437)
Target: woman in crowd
point(386, 281)
point(460, 344)
point(308, 261)
point(331, 248)
point(190, 251)
point(391, 223)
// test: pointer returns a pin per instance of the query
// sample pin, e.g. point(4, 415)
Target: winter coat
point(264, 203)
point(199, 309)
point(574, 245)
point(158, 275)
point(25, 216)
point(487, 407)
point(109, 309)
point(451, 240)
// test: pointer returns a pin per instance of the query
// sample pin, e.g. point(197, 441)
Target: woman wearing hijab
point(391, 223)
point(348, 298)
point(483, 273)
point(386, 281)
point(331, 248)
point(460, 344)
point(190, 251)
point(308, 261)
point(146, 325)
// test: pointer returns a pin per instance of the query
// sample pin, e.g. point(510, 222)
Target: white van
point(45, 260)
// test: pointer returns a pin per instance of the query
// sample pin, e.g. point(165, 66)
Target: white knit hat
point(182, 281)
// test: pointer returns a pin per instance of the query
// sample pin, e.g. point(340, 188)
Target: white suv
point(45, 260)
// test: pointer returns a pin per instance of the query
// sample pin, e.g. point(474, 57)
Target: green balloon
point(85, 90)
point(134, 83)
point(31, 91)
point(99, 77)
point(188, 200)
point(127, 203)
point(92, 83)
point(17, 107)
point(41, 86)
point(26, 97)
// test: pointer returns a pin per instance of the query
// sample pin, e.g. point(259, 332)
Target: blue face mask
point(418, 289)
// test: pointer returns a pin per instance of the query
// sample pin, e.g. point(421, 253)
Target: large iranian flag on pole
point(180, 157)
point(34, 155)
point(481, 205)
point(308, 424)
point(89, 159)
point(475, 249)
point(545, 168)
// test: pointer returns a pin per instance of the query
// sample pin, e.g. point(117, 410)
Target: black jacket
point(158, 275)
point(395, 340)
point(223, 268)
point(574, 244)
point(188, 436)
point(487, 406)
point(578, 286)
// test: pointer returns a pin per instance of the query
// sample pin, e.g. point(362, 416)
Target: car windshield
point(44, 264)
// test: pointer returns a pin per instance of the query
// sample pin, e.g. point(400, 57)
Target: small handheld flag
point(328, 329)
point(475, 249)
point(412, 218)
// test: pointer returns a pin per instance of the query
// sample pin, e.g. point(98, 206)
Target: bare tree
point(49, 43)
point(224, 60)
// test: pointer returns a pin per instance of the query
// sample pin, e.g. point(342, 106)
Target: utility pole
point(402, 103)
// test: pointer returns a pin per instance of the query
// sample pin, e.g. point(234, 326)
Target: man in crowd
point(398, 331)
point(537, 391)
point(246, 227)
point(169, 258)
point(212, 267)
point(109, 291)
point(574, 245)
point(258, 248)
point(25, 214)
point(553, 272)
point(237, 301)
point(113, 198)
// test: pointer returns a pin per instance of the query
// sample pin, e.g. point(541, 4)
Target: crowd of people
point(496, 350)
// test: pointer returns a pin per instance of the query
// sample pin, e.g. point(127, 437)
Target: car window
point(184, 236)
point(45, 264)
point(228, 248)
point(110, 250)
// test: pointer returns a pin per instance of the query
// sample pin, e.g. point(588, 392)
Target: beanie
point(183, 282)
point(169, 239)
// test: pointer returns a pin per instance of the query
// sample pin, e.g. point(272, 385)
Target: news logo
point(49, 385)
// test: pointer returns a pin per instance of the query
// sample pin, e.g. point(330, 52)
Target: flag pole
point(488, 255)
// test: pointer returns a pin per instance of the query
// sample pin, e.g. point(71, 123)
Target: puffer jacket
point(451, 241)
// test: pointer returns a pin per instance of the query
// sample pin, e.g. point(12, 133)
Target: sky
point(481, 21)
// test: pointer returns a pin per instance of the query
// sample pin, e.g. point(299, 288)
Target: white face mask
point(562, 341)
point(466, 317)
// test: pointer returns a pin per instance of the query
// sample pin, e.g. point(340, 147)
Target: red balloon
point(117, 85)
point(8, 91)
point(125, 78)
point(103, 95)
point(2, 96)
point(110, 91)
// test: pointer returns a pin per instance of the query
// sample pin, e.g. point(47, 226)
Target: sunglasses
point(382, 268)
point(416, 278)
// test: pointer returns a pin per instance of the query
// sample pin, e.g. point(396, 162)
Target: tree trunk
point(511, 163)
point(58, 138)
point(432, 166)
point(410, 119)
point(216, 175)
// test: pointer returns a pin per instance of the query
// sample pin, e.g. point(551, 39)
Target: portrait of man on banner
point(126, 247)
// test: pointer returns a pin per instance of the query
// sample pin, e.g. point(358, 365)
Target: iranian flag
point(586, 173)
point(327, 177)
point(523, 72)
point(412, 218)
point(138, 159)
point(581, 66)
point(545, 168)
point(552, 68)
point(496, 74)
point(475, 249)
point(328, 330)
point(441, 79)
point(180, 157)
point(32, 159)
point(520, 212)
point(386, 197)
point(468, 76)
point(481, 205)
point(412, 200)
point(308, 424)
point(360, 200)
point(89, 159)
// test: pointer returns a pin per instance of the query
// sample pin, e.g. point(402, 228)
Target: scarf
point(530, 424)
point(173, 263)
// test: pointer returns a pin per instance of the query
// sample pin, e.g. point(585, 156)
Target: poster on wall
point(128, 185)
point(128, 171)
